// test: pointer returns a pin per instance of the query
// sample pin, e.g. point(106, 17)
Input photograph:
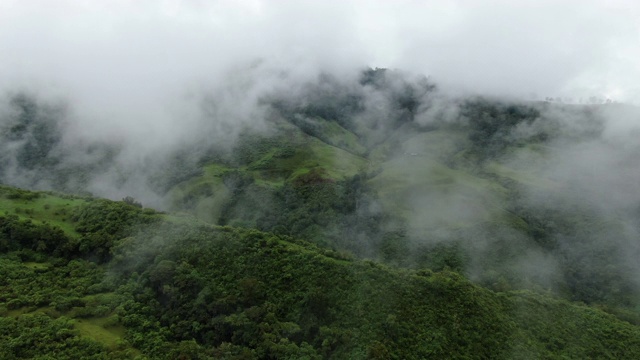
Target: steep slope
point(260, 165)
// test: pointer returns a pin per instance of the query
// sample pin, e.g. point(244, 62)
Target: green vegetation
point(50, 208)
point(171, 290)
point(368, 220)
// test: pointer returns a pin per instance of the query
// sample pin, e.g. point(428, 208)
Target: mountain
point(344, 218)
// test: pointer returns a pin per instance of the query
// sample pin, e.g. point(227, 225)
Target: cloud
point(593, 156)
point(130, 49)
point(152, 74)
point(553, 48)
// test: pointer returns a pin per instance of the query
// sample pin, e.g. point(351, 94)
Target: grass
point(101, 330)
point(205, 195)
point(310, 153)
point(440, 144)
point(342, 138)
point(215, 170)
point(45, 208)
point(522, 177)
point(37, 265)
point(429, 194)
point(442, 190)
point(338, 163)
point(417, 184)
point(104, 330)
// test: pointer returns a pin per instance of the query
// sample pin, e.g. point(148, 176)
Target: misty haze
point(319, 180)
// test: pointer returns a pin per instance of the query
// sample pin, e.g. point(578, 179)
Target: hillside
point(361, 217)
point(167, 287)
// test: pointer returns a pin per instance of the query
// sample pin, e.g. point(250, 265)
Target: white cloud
point(135, 54)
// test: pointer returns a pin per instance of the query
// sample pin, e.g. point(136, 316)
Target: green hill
point(169, 287)
point(367, 218)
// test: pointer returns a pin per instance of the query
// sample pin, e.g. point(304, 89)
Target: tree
point(131, 201)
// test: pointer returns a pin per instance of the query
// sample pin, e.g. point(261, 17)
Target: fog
point(140, 69)
point(136, 86)
point(143, 51)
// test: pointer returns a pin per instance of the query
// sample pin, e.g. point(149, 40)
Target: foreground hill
point(91, 278)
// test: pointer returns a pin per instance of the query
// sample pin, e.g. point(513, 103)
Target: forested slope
point(126, 282)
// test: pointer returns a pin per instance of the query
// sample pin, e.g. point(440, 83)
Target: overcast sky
point(125, 51)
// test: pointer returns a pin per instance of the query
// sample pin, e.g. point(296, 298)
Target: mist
point(132, 97)
point(150, 52)
point(139, 71)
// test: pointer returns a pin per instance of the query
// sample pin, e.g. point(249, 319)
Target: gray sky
point(112, 54)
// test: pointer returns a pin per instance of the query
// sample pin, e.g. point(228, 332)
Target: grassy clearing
point(525, 165)
point(430, 195)
point(102, 330)
point(315, 154)
point(336, 153)
point(41, 208)
point(204, 194)
point(416, 185)
point(271, 161)
point(522, 177)
point(338, 163)
point(342, 138)
point(37, 265)
point(268, 183)
point(214, 170)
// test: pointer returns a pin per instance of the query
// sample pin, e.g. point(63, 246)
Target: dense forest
point(125, 282)
point(368, 218)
